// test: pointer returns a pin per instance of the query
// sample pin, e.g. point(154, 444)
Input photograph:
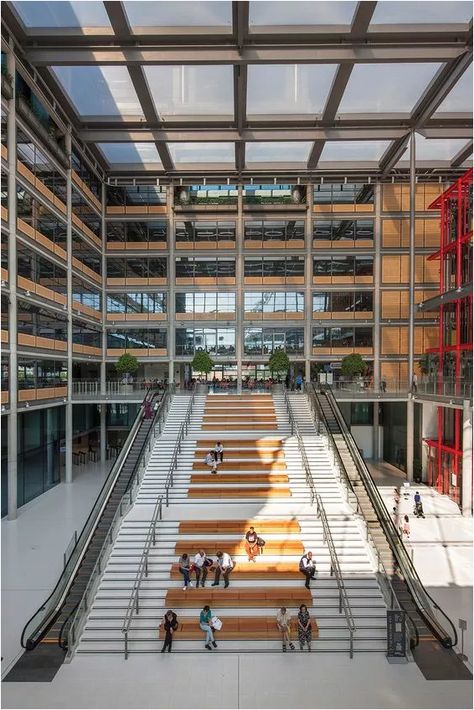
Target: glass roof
point(288, 88)
point(428, 11)
point(192, 90)
point(307, 12)
point(346, 151)
point(131, 153)
point(278, 152)
point(62, 14)
point(460, 97)
point(202, 152)
point(178, 14)
point(99, 91)
point(386, 88)
point(435, 149)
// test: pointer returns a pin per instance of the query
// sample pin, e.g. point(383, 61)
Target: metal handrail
point(150, 540)
point(126, 502)
point(344, 604)
point(424, 603)
point(29, 639)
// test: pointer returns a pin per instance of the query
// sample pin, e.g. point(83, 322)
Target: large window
point(217, 341)
point(153, 233)
point(343, 194)
point(206, 195)
point(269, 194)
point(86, 254)
point(337, 266)
point(34, 213)
point(274, 302)
point(85, 334)
point(274, 233)
point(82, 169)
point(205, 235)
point(130, 303)
point(39, 322)
point(343, 337)
point(343, 230)
point(135, 196)
point(137, 338)
point(274, 267)
point(189, 269)
point(343, 302)
point(263, 341)
point(40, 270)
point(139, 268)
point(83, 211)
point(37, 374)
point(85, 294)
point(205, 302)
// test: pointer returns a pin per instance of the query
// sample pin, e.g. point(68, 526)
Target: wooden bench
point(239, 527)
point(236, 628)
point(228, 492)
point(238, 597)
point(268, 466)
point(222, 477)
point(254, 570)
point(237, 547)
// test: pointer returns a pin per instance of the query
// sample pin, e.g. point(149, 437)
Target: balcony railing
point(459, 388)
point(360, 388)
point(114, 389)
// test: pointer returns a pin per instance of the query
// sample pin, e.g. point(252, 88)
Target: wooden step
point(234, 597)
point(235, 443)
point(214, 409)
point(237, 547)
point(222, 477)
point(252, 570)
point(226, 492)
point(239, 398)
point(239, 527)
point(232, 417)
point(219, 427)
point(262, 465)
point(235, 628)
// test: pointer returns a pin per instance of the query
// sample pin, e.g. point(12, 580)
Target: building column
point(429, 430)
point(466, 492)
point(239, 291)
point(308, 298)
point(69, 423)
point(12, 301)
point(171, 283)
point(377, 314)
point(411, 307)
point(103, 432)
point(103, 369)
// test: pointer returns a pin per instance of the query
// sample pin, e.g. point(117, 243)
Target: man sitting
point(224, 565)
point(308, 568)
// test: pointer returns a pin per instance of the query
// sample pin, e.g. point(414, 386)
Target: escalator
point(433, 633)
point(41, 636)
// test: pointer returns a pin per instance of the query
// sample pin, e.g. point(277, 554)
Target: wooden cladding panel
point(394, 340)
point(396, 196)
point(394, 371)
point(396, 233)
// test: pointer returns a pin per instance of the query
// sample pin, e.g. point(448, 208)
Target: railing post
point(351, 647)
point(137, 603)
point(126, 644)
point(340, 602)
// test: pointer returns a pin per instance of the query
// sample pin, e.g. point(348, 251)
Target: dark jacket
point(168, 625)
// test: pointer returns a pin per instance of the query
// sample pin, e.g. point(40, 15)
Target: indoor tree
point(202, 362)
point(353, 365)
point(279, 362)
point(126, 365)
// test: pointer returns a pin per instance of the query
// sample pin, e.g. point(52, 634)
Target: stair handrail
point(34, 628)
point(69, 634)
point(423, 601)
point(344, 604)
point(183, 430)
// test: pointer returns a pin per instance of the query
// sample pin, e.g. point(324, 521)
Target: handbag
point(216, 623)
point(260, 542)
point(208, 562)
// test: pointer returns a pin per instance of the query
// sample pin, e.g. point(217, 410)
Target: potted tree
point(279, 362)
point(203, 363)
point(126, 366)
point(353, 366)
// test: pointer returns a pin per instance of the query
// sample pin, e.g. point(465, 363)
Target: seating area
point(238, 628)
point(240, 413)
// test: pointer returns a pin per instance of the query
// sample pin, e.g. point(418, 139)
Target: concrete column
point(239, 291)
point(103, 373)
point(171, 283)
point(69, 431)
point(466, 492)
point(377, 280)
point(308, 298)
point(49, 449)
point(12, 304)
point(103, 432)
point(429, 430)
point(411, 306)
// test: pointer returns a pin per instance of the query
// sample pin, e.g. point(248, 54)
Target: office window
point(217, 341)
point(322, 302)
point(343, 302)
point(263, 341)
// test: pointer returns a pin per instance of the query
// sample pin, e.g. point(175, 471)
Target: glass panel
point(301, 13)
point(427, 149)
point(226, 302)
point(346, 151)
point(343, 302)
point(389, 12)
point(62, 14)
point(386, 88)
point(202, 152)
point(288, 88)
point(225, 341)
point(363, 338)
point(253, 302)
point(321, 338)
point(182, 14)
point(191, 90)
point(460, 97)
point(278, 152)
point(253, 341)
point(99, 91)
point(342, 337)
point(132, 153)
point(342, 230)
point(322, 302)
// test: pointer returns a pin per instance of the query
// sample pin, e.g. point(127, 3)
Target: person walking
point(224, 566)
point(170, 624)
point(219, 452)
point(414, 383)
point(308, 568)
point(211, 461)
point(299, 382)
point(406, 527)
point(205, 625)
point(305, 632)
point(251, 547)
point(283, 620)
point(185, 569)
point(201, 567)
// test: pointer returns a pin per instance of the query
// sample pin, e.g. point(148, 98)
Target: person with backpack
point(201, 566)
point(308, 568)
point(170, 624)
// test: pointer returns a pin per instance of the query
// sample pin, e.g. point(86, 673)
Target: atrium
point(238, 225)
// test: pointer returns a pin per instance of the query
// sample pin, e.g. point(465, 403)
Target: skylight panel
point(179, 14)
point(42, 15)
point(426, 12)
point(196, 90)
point(386, 88)
point(131, 153)
point(99, 91)
point(278, 152)
point(202, 153)
point(288, 88)
point(301, 13)
point(349, 151)
point(435, 149)
point(459, 98)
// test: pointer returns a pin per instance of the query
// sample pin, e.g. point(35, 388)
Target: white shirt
point(283, 619)
point(199, 560)
point(225, 560)
point(219, 448)
point(209, 459)
point(307, 562)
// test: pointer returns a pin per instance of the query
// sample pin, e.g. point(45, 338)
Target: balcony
point(364, 388)
point(115, 391)
point(444, 389)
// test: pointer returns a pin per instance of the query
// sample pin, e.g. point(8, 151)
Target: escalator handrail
point(30, 640)
point(420, 595)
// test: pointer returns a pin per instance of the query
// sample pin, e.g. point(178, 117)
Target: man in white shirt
point(224, 565)
point(308, 568)
point(200, 567)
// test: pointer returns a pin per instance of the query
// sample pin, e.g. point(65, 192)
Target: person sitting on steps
point(283, 620)
point(224, 566)
point(170, 624)
point(201, 566)
point(308, 568)
point(211, 461)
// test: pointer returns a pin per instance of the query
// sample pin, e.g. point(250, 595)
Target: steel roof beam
point(463, 155)
point(393, 154)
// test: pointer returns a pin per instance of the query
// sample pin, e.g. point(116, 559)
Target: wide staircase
point(262, 482)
